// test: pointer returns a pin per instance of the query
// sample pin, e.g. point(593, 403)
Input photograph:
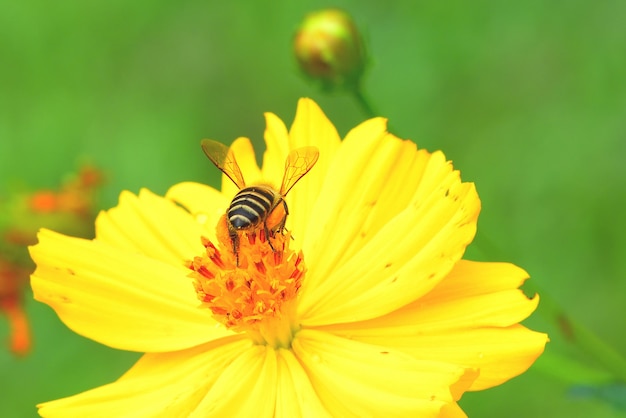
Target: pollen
point(258, 294)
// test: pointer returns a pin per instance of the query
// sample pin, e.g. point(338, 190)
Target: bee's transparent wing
point(299, 162)
point(219, 154)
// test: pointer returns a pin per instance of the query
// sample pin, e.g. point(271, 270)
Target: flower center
point(258, 294)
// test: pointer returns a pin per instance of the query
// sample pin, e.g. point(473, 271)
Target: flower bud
point(329, 49)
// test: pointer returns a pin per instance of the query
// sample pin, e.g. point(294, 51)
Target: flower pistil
point(256, 295)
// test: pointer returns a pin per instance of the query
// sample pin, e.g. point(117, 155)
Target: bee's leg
point(286, 210)
point(280, 227)
point(234, 238)
point(268, 236)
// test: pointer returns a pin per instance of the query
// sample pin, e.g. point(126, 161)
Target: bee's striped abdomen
point(250, 207)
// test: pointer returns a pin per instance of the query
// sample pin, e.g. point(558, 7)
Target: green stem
point(366, 106)
point(572, 330)
point(363, 102)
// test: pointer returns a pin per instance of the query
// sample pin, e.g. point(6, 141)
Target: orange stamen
point(258, 290)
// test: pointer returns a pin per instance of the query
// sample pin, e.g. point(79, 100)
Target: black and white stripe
point(250, 206)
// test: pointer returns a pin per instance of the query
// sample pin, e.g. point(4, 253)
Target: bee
point(259, 205)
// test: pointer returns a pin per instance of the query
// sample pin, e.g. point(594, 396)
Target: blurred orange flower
point(69, 209)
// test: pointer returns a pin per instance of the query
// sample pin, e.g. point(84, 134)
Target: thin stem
point(363, 102)
point(366, 105)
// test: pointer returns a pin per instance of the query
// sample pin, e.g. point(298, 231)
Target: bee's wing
point(224, 160)
point(299, 162)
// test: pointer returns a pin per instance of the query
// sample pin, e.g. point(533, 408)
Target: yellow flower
point(363, 308)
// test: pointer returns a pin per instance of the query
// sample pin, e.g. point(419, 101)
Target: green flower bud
point(329, 49)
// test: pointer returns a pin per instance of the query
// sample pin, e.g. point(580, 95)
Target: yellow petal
point(499, 353)
point(277, 147)
point(151, 225)
point(246, 159)
point(470, 317)
point(204, 202)
point(246, 388)
point(452, 410)
point(295, 395)
point(159, 385)
point(472, 278)
point(372, 178)
point(311, 127)
point(120, 299)
point(357, 379)
point(366, 261)
point(474, 294)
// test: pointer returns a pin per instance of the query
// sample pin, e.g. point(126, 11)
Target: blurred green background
point(528, 99)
